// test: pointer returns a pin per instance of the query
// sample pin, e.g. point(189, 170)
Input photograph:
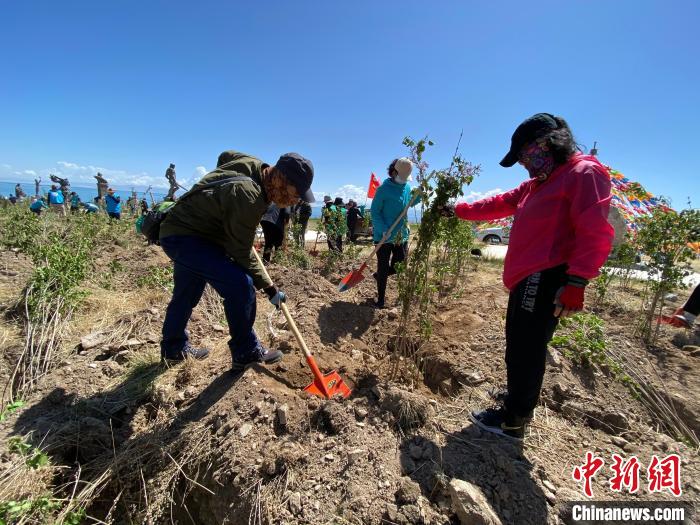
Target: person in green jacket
point(209, 235)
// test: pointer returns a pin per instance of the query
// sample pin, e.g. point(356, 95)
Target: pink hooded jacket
point(563, 220)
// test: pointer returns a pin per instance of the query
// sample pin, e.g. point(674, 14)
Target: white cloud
point(6, 166)
point(200, 171)
point(351, 191)
point(478, 195)
point(30, 172)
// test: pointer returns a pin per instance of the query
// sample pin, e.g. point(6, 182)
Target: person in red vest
point(559, 240)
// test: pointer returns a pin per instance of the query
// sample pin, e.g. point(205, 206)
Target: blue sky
point(130, 86)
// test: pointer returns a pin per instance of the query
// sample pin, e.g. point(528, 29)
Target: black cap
point(531, 129)
point(299, 172)
point(338, 200)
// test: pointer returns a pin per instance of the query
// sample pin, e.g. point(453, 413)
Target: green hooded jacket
point(227, 215)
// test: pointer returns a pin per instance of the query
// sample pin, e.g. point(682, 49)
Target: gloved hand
point(569, 298)
point(448, 210)
point(275, 296)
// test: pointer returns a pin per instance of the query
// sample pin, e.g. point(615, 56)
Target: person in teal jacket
point(38, 206)
point(114, 204)
point(56, 201)
point(389, 201)
point(74, 202)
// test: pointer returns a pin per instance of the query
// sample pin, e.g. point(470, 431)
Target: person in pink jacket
point(559, 240)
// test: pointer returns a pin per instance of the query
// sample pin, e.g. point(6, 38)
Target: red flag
point(373, 185)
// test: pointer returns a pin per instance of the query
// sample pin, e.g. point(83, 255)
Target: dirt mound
point(195, 443)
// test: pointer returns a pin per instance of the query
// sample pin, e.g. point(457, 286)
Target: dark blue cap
point(299, 172)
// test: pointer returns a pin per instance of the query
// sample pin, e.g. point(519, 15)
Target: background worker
point(113, 203)
point(559, 240)
point(209, 235)
point(74, 202)
point(38, 206)
point(56, 201)
point(389, 201)
point(172, 182)
point(354, 214)
point(273, 224)
point(301, 213)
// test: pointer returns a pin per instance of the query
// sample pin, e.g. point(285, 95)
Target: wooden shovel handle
point(285, 311)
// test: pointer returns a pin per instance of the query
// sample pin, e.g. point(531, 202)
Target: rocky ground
point(196, 444)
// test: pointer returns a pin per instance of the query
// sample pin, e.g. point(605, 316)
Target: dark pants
point(198, 262)
point(335, 243)
point(387, 257)
point(693, 304)
point(114, 215)
point(530, 324)
point(352, 224)
point(301, 234)
point(273, 239)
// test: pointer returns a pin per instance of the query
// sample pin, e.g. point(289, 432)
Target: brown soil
point(195, 444)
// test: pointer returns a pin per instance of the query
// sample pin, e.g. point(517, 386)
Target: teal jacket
point(388, 203)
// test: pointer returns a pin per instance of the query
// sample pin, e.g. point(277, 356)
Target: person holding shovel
point(389, 202)
point(209, 234)
point(559, 240)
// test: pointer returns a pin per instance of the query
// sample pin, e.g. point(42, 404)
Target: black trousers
point(530, 324)
point(273, 239)
point(335, 243)
point(387, 257)
point(301, 235)
point(692, 305)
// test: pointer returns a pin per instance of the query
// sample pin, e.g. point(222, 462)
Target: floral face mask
point(537, 160)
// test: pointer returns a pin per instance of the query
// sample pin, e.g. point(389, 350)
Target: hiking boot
point(262, 356)
point(189, 352)
point(500, 421)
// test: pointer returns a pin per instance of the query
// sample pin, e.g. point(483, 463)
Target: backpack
point(149, 223)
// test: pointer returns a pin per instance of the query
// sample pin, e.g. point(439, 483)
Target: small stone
point(329, 457)
point(475, 378)
point(245, 429)
point(294, 503)
point(282, 414)
point(470, 504)
point(549, 486)
point(360, 412)
point(551, 498)
point(129, 343)
point(619, 441)
point(82, 352)
point(355, 455)
point(92, 340)
point(122, 357)
point(554, 358)
point(190, 392)
point(92, 365)
point(218, 328)
point(408, 492)
point(393, 314)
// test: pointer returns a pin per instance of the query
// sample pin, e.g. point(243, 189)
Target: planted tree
point(663, 237)
point(418, 287)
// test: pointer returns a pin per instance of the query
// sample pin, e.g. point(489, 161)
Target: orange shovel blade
point(333, 385)
point(352, 279)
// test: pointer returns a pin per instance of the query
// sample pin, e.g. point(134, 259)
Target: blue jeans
point(198, 262)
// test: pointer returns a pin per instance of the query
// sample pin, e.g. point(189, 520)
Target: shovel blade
point(333, 385)
point(352, 279)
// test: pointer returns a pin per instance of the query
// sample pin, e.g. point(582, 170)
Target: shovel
point(357, 275)
point(314, 252)
point(326, 386)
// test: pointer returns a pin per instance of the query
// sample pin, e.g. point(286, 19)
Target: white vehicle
point(496, 235)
